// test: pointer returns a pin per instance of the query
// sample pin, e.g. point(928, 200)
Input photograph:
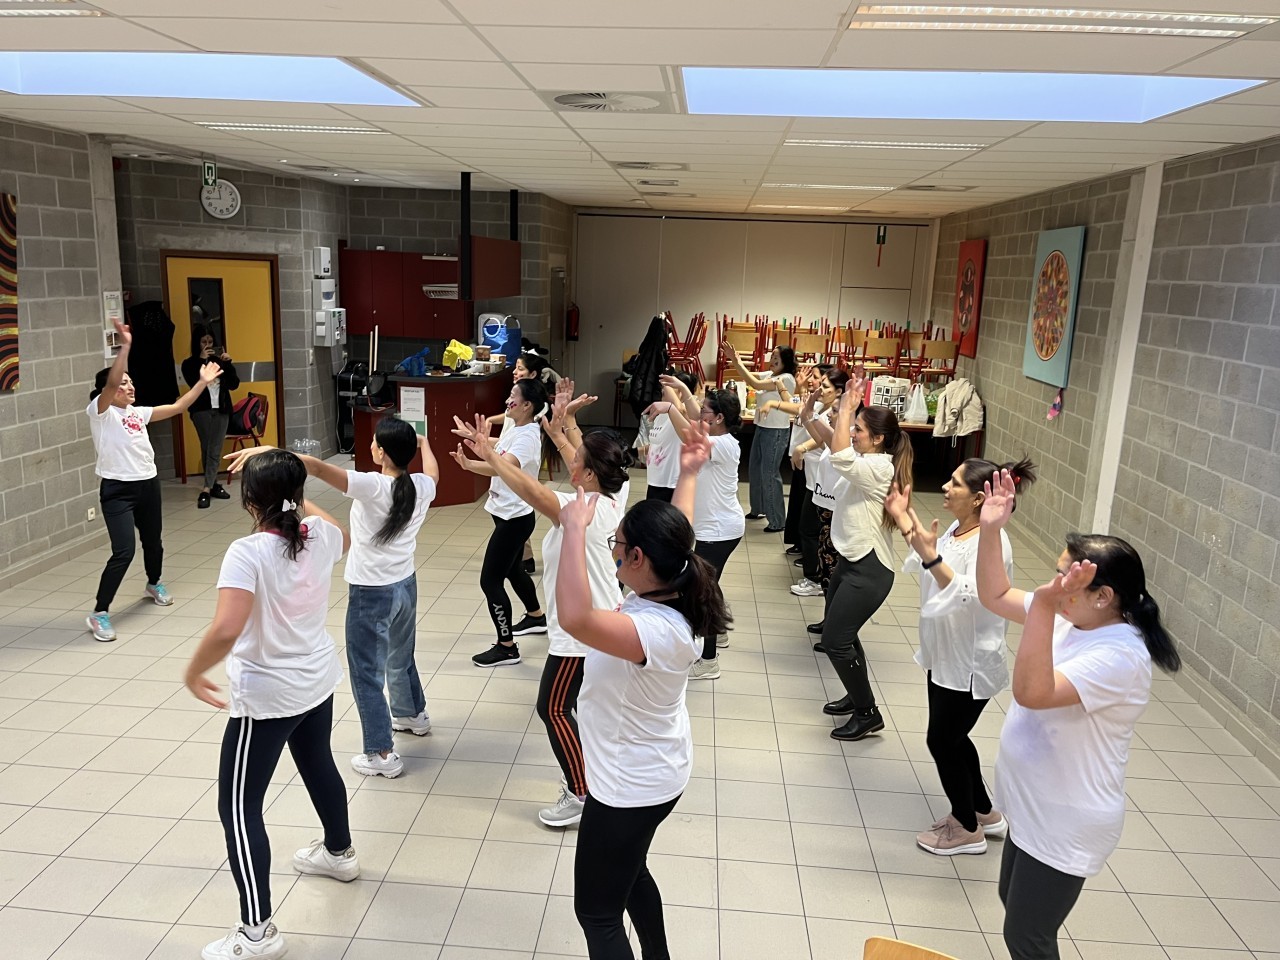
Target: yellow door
point(236, 298)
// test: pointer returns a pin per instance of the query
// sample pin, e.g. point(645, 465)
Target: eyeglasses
point(615, 542)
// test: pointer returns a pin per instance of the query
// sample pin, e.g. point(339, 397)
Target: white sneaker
point(236, 945)
point(419, 726)
point(374, 765)
point(722, 641)
point(705, 669)
point(806, 588)
point(316, 861)
point(566, 812)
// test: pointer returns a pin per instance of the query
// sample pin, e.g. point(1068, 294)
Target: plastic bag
point(455, 352)
point(416, 365)
point(916, 410)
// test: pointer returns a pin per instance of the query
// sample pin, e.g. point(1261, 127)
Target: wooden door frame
point(273, 260)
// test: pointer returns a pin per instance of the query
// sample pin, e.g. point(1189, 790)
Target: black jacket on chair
point(151, 358)
point(650, 363)
point(227, 382)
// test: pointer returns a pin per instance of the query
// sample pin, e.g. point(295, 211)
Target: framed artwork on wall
point(968, 310)
point(8, 292)
point(1051, 317)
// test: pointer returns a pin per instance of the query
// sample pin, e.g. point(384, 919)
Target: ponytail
point(271, 492)
point(399, 442)
point(701, 599)
point(977, 473)
point(1120, 567)
point(883, 422)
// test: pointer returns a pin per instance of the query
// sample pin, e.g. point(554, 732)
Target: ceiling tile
point(392, 118)
point(324, 38)
point(474, 98)
point(1245, 116)
point(383, 11)
point(446, 73)
point(713, 14)
point(1075, 53)
point(592, 76)
point(797, 48)
point(83, 33)
point(1241, 58)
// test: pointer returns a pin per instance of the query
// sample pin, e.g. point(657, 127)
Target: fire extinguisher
point(571, 322)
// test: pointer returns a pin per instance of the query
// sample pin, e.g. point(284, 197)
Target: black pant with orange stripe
point(557, 706)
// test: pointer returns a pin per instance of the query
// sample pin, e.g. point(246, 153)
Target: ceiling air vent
point(658, 183)
point(649, 165)
point(607, 102)
point(937, 188)
point(666, 193)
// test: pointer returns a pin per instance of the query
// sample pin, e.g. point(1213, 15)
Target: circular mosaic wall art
point(1053, 297)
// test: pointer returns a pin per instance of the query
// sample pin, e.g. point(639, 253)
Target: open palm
point(1000, 492)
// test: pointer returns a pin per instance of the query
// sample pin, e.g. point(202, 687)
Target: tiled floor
point(787, 844)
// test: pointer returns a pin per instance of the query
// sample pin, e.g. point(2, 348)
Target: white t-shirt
point(635, 731)
point(775, 419)
point(1060, 772)
point(856, 527)
point(284, 662)
point(961, 641)
point(828, 486)
point(525, 444)
point(663, 461)
point(717, 514)
point(602, 572)
point(121, 441)
point(372, 564)
point(812, 457)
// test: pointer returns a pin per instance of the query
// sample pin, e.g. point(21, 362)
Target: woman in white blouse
point(961, 649)
point(773, 431)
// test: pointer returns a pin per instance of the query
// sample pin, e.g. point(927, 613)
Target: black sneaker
point(753, 516)
point(498, 656)
point(219, 493)
point(529, 566)
point(530, 625)
point(798, 562)
point(793, 551)
point(202, 501)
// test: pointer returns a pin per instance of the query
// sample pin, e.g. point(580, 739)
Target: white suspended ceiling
point(482, 70)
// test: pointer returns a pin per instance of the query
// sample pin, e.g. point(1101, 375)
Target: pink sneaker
point(947, 838)
point(993, 825)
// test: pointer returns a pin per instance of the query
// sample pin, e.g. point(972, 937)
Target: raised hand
point(923, 541)
point(856, 385)
point(1077, 578)
point(482, 446)
point(241, 457)
point(897, 503)
point(696, 449)
point(210, 372)
point(810, 402)
point(123, 332)
point(1000, 493)
point(672, 383)
point(465, 462)
point(466, 430)
point(578, 403)
point(578, 513)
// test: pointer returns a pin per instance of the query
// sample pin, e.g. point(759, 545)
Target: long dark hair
point(665, 536)
point(270, 479)
point(399, 441)
point(533, 391)
point(787, 356)
point(198, 332)
point(725, 403)
point(883, 422)
point(977, 473)
point(99, 382)
point(604, 455)
point(837, 379)
point(1120, 568)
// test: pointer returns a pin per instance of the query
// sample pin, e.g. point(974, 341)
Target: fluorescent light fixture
point(947, 94)
point(1051, 13)
point(794, 206)
point(236, 126)
point(1031, 27)
point(885, 144)
point(194, 76)
point(822, 186)
point(47, 12)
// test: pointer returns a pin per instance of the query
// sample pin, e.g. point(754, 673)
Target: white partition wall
point(631, 267)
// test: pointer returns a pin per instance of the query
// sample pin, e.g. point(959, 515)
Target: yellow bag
point(456, 352)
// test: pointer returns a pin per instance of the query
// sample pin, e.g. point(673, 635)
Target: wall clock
point(221, 200)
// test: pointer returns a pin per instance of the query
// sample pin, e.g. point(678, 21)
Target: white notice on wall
point(413, 408)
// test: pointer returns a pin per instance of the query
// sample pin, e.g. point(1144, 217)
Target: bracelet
point(932, 563)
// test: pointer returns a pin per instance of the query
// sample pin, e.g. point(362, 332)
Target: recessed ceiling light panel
point(1053, 13)
point(649, 165)
point(886, 144)
point(235, 126)
point(947, 94)
point(1019, 26)
point(822, 186)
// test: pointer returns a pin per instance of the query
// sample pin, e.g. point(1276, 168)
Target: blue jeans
point(380, 641)
point(768, 447)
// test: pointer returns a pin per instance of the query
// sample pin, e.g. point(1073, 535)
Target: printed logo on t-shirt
point(133, 424)
point(657, 456)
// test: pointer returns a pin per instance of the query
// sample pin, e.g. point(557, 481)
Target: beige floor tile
point(560, 935)
point(969, 945)
point(1099, 915)
point(756, 801)
point(1163, 796)
point(66, 750)
point(1258, 838)
point(444, 861)
point(413, 913)
point(1098, 950)
point(811, 770)
point(384, 810)
point(841, 894)
point(1152, 871)
point(92, 790)
point(761, 887)
point(766, 841)
point(103, 938)
point(389, 950)
point(518, 822)
point(75, 886)
point(1232, 878)
point(687, 834)
point(126, 839)
point(928, 902)
point(500, 921)
point(322, 906)
point(743, 734)
point(470, 779)
point(760, 766)
point(1193, 834)
point(41, 830)
point(444, 815)
point(1253, 922)
point(1186, 921)
point(192, 843)
point(894, 811)
point(154, 893)
point(132, 755)
point(218, 904)
point(762, 936)
point(17, 870)
point(34, 934)
point(28, 785)
point(524, 868)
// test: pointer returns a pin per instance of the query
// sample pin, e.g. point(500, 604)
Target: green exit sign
point(209, 173)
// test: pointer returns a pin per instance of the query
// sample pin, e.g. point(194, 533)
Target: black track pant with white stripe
point(250, 751)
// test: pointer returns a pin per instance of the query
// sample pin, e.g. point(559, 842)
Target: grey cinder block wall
point(46, 455)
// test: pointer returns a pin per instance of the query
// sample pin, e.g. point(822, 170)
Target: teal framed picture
point(1051, 317)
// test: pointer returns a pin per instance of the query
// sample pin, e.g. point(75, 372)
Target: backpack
point(248, 416)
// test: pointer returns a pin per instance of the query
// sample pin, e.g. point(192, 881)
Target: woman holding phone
point(211, 411)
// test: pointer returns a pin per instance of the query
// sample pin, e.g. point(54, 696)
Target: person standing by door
point(211, 412)
point(130, 489)
point(773, 432)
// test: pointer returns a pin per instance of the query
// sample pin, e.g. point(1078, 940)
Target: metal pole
point(515, 214)
point(464, 240)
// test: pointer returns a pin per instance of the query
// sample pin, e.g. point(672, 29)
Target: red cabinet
point(372, 283)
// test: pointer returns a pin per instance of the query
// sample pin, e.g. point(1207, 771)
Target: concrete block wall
point(1199, 486)
point(159, 209)
point(324, 222)
point(46, 454)
point(1016, 406)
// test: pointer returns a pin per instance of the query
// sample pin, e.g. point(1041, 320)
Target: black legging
point(250, 751)
point(558, 710)
point(952, 714)
point(610, 874)
point(504, 560)
point(1037, 899)
point(127, 504)
point(858, 588)
point(716, 553)
point(810, 527)
point(795, 506)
